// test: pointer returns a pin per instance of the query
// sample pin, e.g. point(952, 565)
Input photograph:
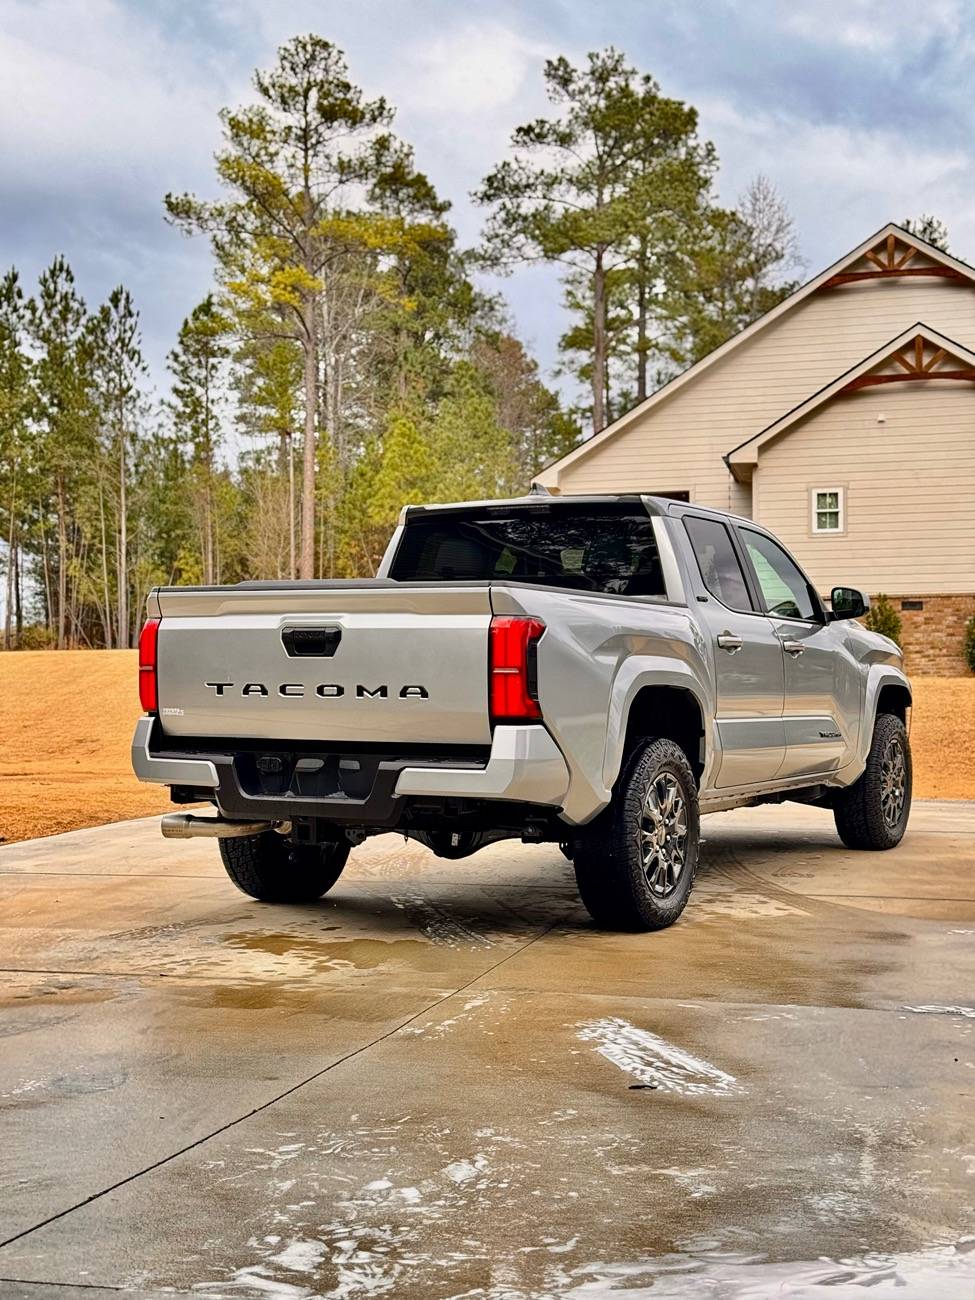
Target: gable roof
point(839, 272)
point(943, 363)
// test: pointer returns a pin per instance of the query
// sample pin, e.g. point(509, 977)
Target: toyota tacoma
point(591, 671)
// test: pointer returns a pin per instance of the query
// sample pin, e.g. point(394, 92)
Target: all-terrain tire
point(268, 867)
point(620, 890)
point(872, 813)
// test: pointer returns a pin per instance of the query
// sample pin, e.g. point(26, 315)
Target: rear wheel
point(635, 865)
point(270, 868)
point(872, 813)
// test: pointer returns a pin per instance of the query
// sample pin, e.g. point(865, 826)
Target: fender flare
point(647, 671)
point(878, 676)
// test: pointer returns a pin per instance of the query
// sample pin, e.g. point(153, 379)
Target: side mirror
point(847, 602)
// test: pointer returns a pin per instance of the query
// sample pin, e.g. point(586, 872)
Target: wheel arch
point(669, 711)
point(895, 698)
point(888, 691)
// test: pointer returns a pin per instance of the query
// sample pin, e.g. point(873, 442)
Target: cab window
point(607, 547)
point(716, 558)
point(784, 589)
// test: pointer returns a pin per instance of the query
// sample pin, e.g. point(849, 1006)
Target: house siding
point(678, 443)
point(909, 486)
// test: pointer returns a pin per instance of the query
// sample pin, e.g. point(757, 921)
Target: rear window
point(607, 548)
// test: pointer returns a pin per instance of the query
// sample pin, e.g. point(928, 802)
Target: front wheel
point(273, 870)
point(872, 813)
point(635, 865)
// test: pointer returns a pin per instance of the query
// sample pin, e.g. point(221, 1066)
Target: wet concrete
point(443, 1081)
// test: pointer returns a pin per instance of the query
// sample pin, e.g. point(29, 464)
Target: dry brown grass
point(943, 737)
point(66, 721)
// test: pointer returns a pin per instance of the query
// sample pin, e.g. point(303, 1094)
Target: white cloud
point(865, 26)
point(92, 94)
point(843, 182)
point(478, 68)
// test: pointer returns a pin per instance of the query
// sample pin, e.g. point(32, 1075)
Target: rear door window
point(718, 561)
point(608, 548)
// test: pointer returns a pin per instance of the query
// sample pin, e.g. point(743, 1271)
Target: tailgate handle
point(311, 642)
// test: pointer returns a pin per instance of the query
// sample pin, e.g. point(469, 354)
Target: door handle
point(794, 648)
point(728, 641)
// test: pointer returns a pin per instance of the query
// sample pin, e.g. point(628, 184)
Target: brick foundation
point(933, 637)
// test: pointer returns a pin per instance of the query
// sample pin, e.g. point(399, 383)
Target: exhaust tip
point(187, 826)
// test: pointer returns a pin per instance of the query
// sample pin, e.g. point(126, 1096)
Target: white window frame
point(814, 511)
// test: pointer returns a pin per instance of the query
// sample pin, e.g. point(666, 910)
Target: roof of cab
point(652, 504)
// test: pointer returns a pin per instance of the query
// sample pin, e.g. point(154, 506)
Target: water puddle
point(339, 954)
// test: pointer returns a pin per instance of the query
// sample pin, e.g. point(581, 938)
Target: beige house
point(844, 420)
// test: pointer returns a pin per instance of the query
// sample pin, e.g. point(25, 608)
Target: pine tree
point(198, 364)
point(286, 163)
point(595, 189)
point(65, 440)
point(15, 466)
point(118, 369)
point(733, 271)
point(928, 228)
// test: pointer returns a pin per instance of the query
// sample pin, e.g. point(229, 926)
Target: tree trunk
point(641, 323)
point(18, 600)
point(123, 542)
point(62, 564)
point(48, 595)
point(106, 590)
point(292, 558)
point(598, 344)
point(337, 437)
point(209, 575)
point(309, 343)
point(8, 607)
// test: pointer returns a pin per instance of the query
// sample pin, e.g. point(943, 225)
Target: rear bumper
point(524, 766)
point(168, 768)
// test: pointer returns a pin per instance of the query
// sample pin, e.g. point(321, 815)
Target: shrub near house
point(883, 618)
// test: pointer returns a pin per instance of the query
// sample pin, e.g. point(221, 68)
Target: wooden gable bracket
point(890, 259)
point(915, 367)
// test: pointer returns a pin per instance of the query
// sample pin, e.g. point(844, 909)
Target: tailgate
point(356, 663)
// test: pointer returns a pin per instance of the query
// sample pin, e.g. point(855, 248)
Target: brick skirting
point(933, 637)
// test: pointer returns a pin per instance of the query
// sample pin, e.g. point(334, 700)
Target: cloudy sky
point(860, 113)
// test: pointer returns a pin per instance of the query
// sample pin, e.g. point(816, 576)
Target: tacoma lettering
point(324, 690)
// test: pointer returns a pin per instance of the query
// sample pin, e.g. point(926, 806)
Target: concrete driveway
point(442, 1081)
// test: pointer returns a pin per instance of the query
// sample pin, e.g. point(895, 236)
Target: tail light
point(148, 638)
point(513, 669)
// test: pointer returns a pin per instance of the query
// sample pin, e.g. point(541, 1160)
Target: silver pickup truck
point(590, 671)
